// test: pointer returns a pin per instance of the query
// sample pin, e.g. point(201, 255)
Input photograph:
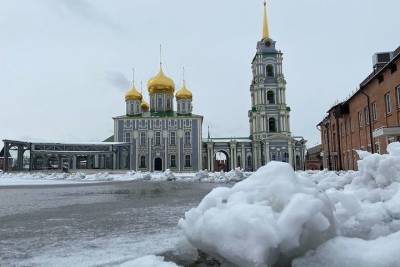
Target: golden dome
point(184, 93)
point(145, 106)
point(161, 84)
point(133, 94)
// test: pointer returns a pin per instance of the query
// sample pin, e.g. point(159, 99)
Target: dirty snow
point(34, 178)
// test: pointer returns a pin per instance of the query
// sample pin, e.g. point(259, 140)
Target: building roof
point(314, 150)
point(368, 80)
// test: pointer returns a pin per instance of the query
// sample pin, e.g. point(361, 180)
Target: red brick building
point(368, 120)
point(313, 158)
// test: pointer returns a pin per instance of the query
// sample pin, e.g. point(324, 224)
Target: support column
point(208, 157)
point(149, 154)
point(290, 150)
point(243, 163)
point(267, 158)
point(166, 151)
point(20, 158)
point(255, 156)
point(74, 162)
point(59, 162)
point(259, 163)
point(30, 158)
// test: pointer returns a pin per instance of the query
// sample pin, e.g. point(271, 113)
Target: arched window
point(272, 125)
point(270, 71)
point(271, 97)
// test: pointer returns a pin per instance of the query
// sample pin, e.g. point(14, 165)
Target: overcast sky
point(65, 64)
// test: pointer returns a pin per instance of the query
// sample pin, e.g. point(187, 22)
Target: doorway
point(158, 164)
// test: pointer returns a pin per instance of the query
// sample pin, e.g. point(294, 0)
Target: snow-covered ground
point(35, 178)
point(282, 218)
point(277, 217)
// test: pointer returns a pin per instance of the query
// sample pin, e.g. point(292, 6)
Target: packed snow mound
point(350, 252)
point(277, 215)
point(149, 261)
point(382, 169)
point(270, 216)
point(233, 176)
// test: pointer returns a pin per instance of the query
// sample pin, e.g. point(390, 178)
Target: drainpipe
point(329, 147)
point(370, 122)
point(338, 133)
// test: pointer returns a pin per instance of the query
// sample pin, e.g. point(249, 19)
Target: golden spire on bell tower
point(265, 34)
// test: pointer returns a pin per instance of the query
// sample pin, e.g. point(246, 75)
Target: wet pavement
point(92, 224)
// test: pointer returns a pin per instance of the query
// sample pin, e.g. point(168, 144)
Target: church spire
point(265, 34)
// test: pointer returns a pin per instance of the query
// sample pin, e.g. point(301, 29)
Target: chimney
point(381, 59)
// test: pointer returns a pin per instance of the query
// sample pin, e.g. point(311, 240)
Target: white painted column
point(243, 157)
point(74, 162)
point(149, 153)
point(290, 150)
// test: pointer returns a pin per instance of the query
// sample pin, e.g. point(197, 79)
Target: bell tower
point(269, 114)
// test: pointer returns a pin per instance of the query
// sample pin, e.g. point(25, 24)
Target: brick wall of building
point(346, 127)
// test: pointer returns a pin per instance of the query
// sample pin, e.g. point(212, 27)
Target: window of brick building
point(360, 119)
point(398, 95)
point(388, 103)
point(366, 115)
point(374, 112)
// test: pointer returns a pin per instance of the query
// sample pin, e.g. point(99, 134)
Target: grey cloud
point(118, 80)
point(84, 9)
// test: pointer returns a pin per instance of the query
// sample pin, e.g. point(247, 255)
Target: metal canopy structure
point(56, 155)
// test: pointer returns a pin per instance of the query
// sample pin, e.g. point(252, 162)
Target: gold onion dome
point(161, 84)
point(133, 94)
point(145, 106)
point(184, 93)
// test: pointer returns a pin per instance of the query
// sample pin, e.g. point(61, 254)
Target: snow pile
point(149, 261)
point(350, 252)
point(233, 176)
point(254, 222)
point(167, 176)
point(317, 218)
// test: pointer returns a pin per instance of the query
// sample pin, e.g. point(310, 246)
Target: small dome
point(145, 106)
point(161, 84)
point(133, 94)
point(184, 93)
